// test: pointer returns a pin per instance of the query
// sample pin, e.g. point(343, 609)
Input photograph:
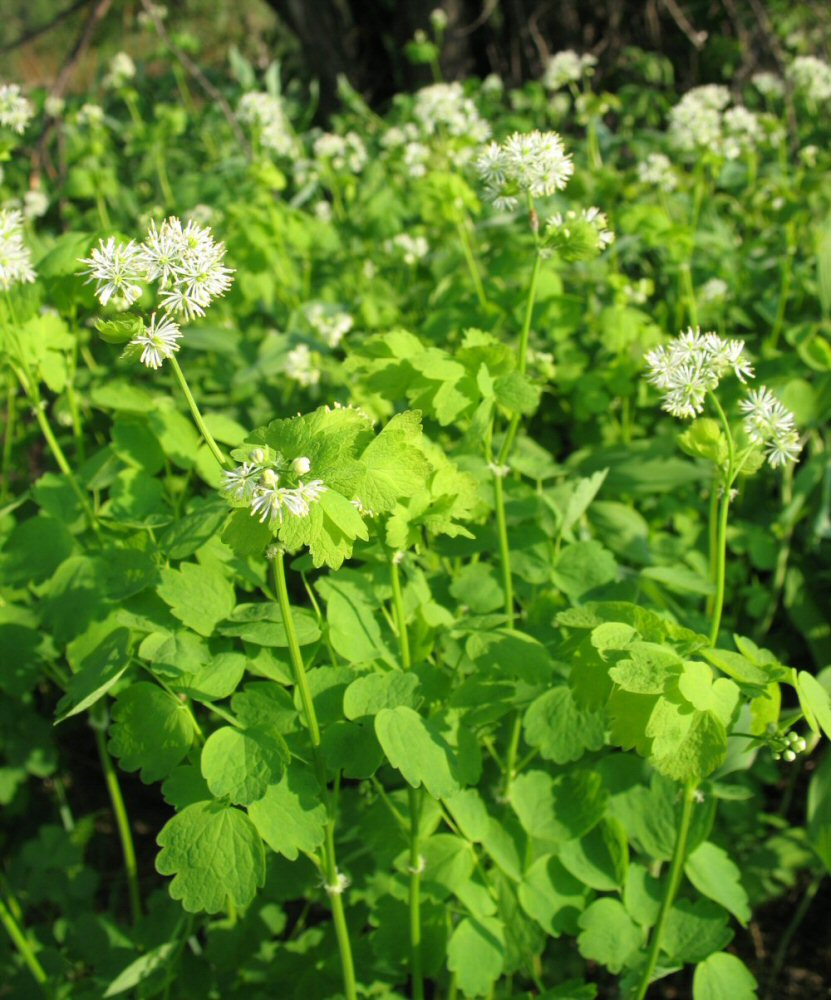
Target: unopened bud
point(300, 466)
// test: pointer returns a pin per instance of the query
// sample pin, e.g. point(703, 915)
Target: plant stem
point(416, 861)
point(8, 434)
point(197, 416)
point(513, 750)
point(784, 287)
point(504, 546)
point(720, 561)
point(470, 259)
point(785, 941)
point(676, 868)
point(334, 887)
point(23, 945)
point(123, 824)
point(522, 361)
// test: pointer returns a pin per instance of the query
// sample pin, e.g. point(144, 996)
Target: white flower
point(301, 367)
point(54, 106)
point(534, 163)
point(493, 85)
point(438, 20)
point(158, 342)
point(578, 235)
point(768, 84)
point(266, 113)
point(329, 323)
point(35, 204)
point(442, 108)
point(188, 264)
point(567, 67)
point(121, 69)
point(692, 365)
point(91, 115)
point(117, 269)
point(771, 425)
point(15, 111)
point(812, 77)
point(15, 258)
point(269, 501)
point(657, 169)
point(713, 290)
point(301, 465)
point(342, 152)
point(411, 248)
point(239, 484)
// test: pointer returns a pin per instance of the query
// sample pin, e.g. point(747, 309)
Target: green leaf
point(369, 694)
point(580, 497)
point(723, 977)
point(720, 697)
point(34, 549)
point(716, 876)
point(556, 810)
point(819, 811)
point(215, 855)
point(815, 702)
point(560, 729)
point(552, 896)
point(395, 465)
point(241, 764)
point(197, 595)
point(245, 535)
point(599, 859)
point(415, 748)
point(184, 786)
point(687, 745)
point(97, 672)
point(695, 930)
point(119, 329)
point(476, 954)
point(151, 731)
point(141, 969)
point(352, 615)
point(609, 935)
point(262, 625)
point(647, 669)
point(582, 568)
point(352, 748)
point(291, 817)
point(705, 439)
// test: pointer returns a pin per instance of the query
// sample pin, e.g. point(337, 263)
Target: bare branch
point(33, 33)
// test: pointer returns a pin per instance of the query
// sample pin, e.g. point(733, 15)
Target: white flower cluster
point(443, 109)
point(533, 163)
point(329, 323)
point(657, 169)
point(414, 153)
point(702, 121)
point(259, 483)
point(714, 290)
point(15, 111)
point(266, 113)
point(90, 116)
point(692, 365)
point(812, 77)
point(301, 366)
point(768, 84)
point(342, 152)
point(120, 71)
point(187, 264)
point(15, 259)
point(411, 249)
point(770, 425)
point(567, 67)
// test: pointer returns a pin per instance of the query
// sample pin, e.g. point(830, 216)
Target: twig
point(33, 33)
point(191, 67)
point(697, 38)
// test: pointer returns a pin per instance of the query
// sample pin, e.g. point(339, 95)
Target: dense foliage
point(434, 514)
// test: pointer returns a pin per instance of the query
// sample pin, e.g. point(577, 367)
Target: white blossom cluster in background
point(187, 264)
point(15, 258)
point(302, 366)
point(657, 170)
point(533, 163)
point(15, 111)
point(567, 67)
point(343, 153)
point(266, 113)
point(411, 249)
point(272, 487)
point(90, 115)
point(812, 77)
point(443, 109)
point(330, 323)
point(694, 363)
point(702, 121)
point(768, 84)
point(120, 71)
point(406, 140)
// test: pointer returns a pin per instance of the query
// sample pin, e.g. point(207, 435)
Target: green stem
point(781, 953)
point(720, 560)
point(21, 942)
point(510, 761)
point(334, 887)
point(784, 288)
point(416, 862)
point(689, 292)
point(676, 869)
point(122, 823)
point(470, 259)
point(197, 416)
point(504, 546)
point(529, 311)
point(8, 433)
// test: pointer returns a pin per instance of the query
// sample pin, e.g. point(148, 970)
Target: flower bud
point(300, 466)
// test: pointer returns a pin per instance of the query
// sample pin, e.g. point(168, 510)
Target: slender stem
point(784, 288)
point(197, 416)
point(23, 945)
point(676, 869)
point(504, 546)
point(513, 750)
point(334, 887)
point(689, 292)
point(782, 558)
point(529, 311)
point(712, 539)
point(470, 259)
point(122, 822)
point(8, 433)
point(720, 560)
point(414, 803)
point(785, 940)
